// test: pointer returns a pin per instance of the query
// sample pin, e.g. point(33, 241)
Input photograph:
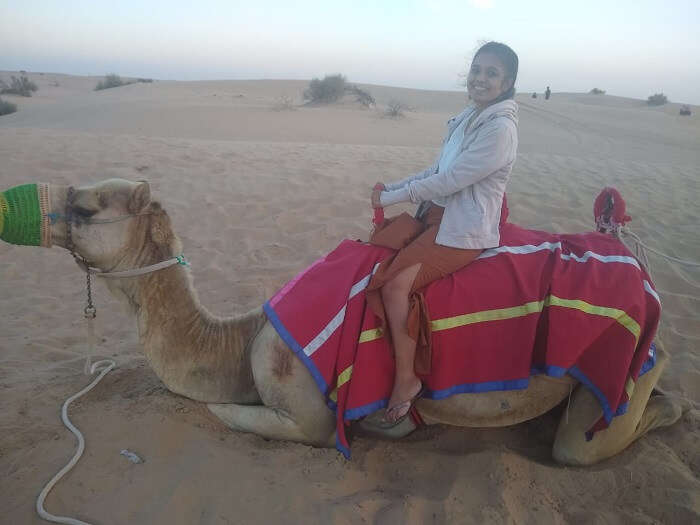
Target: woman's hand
point(376, 192)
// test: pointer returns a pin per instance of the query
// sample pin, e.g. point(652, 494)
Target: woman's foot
point(402, 399)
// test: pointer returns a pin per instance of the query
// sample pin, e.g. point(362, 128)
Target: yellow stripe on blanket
point(619, 315)
point(501, 314)
point(486, 315)
point(343, 378)
point(370, 335)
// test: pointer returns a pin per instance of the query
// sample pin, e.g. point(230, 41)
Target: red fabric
point(499, 354)
point(609, 208)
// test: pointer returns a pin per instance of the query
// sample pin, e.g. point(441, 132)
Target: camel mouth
point(24, 215)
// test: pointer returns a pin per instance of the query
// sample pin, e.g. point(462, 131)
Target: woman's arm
point(417, 176)
point(493, 148)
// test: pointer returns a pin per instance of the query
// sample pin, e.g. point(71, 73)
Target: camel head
point(105, 221)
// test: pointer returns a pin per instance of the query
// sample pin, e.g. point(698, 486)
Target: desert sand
point(256, 194)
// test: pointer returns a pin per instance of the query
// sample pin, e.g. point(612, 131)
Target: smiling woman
point(461, 196)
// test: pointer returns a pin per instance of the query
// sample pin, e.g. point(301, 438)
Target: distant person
point(547, 93)
point(461, 197)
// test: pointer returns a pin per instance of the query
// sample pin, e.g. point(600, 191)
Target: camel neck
point(194, 353)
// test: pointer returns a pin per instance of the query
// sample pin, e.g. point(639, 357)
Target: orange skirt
point(415, 241)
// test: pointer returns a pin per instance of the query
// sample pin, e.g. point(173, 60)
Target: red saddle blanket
point(541, 303)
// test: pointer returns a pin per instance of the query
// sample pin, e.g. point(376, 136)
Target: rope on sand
point(104, 367)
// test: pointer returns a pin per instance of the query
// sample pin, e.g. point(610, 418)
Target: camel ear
point(140, 198)
point(161, 230)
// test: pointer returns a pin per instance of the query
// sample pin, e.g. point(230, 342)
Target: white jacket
point(474, 184)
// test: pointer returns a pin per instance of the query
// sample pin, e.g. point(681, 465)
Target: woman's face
point(487, 79)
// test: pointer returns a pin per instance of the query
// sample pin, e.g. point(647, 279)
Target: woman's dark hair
point(510, 63)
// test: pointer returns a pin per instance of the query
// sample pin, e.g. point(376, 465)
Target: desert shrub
point(330, 89)
point(362, 96)
point(395, 109)
point(19, 86)
point(7, 107)
point(596, 91)
point(657, 99)
point(110, 81)
point(144, 80)
point(685, 110)
point(284, 103)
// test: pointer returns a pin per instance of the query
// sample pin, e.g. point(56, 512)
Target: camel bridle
point(90, 310)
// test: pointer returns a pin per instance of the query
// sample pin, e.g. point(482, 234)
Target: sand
point(256, 194)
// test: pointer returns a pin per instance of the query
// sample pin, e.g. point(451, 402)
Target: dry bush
point(325, 91)
point(363, 97)
point(111, 80)
point(395, 109)
point(685, 110)
point(7, 107)
point(657, 99)
point(19, 86)
point(596, 91)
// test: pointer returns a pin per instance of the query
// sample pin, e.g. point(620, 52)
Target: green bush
point(111, 81)
point(330, 89)
point(596, 91)
point(19, 86)
point(7, 107)
point(657, 99)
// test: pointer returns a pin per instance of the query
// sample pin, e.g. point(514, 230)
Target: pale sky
point(629, 48)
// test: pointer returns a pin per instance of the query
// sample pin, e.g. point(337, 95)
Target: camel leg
point(644, 413)
point(267, 422)
point(293, 407)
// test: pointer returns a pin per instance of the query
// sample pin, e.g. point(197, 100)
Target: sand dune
point(256, 195)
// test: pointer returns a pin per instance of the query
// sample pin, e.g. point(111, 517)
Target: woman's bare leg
point(406, 383)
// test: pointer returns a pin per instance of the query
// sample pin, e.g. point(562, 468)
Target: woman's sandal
point(402, 409)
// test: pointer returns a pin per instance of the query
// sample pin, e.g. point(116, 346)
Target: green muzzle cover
point(24, 215)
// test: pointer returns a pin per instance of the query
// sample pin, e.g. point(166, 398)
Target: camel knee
point(661, 411)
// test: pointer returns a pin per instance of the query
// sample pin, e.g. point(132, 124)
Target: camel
point(248, 376)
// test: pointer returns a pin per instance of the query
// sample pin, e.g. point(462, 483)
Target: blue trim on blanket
point(622, 409)
point(295, 347)
point(550, 370)
point(365, 410)
point(476, 388)
point(575, 372)
point(651, 360)
point(338, 445)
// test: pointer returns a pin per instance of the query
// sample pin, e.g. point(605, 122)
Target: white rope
point(104, 367)
point(627, 232)
point(140, 271)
